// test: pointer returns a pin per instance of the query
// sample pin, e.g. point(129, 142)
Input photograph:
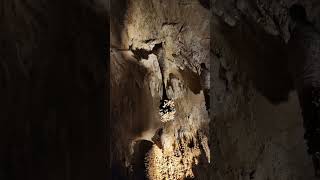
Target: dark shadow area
point(53, 92)
point(191, 79)
point(298, 13)
point(118, 9)
point(144, 54)
point(206, 90)
point(141, 149)
point(205, 3)
point(262, 57)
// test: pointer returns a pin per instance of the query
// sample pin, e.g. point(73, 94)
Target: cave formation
point(222, 75)
point(160, 53)
point(175, 89)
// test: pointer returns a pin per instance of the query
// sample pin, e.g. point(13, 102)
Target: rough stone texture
point(271, 15)
point(159, 51)
point(256, 126)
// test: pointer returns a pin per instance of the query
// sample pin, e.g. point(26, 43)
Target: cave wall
point(158, 47)
point(257, 123)
point(256, 118)
point(271, 15)
point(53, 96)
point(160, 52)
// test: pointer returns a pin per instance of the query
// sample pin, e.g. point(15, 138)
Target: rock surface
point(256, 118)
point(161, 56)
point(160, 53)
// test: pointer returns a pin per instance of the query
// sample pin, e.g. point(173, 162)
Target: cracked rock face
point(160, 53)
